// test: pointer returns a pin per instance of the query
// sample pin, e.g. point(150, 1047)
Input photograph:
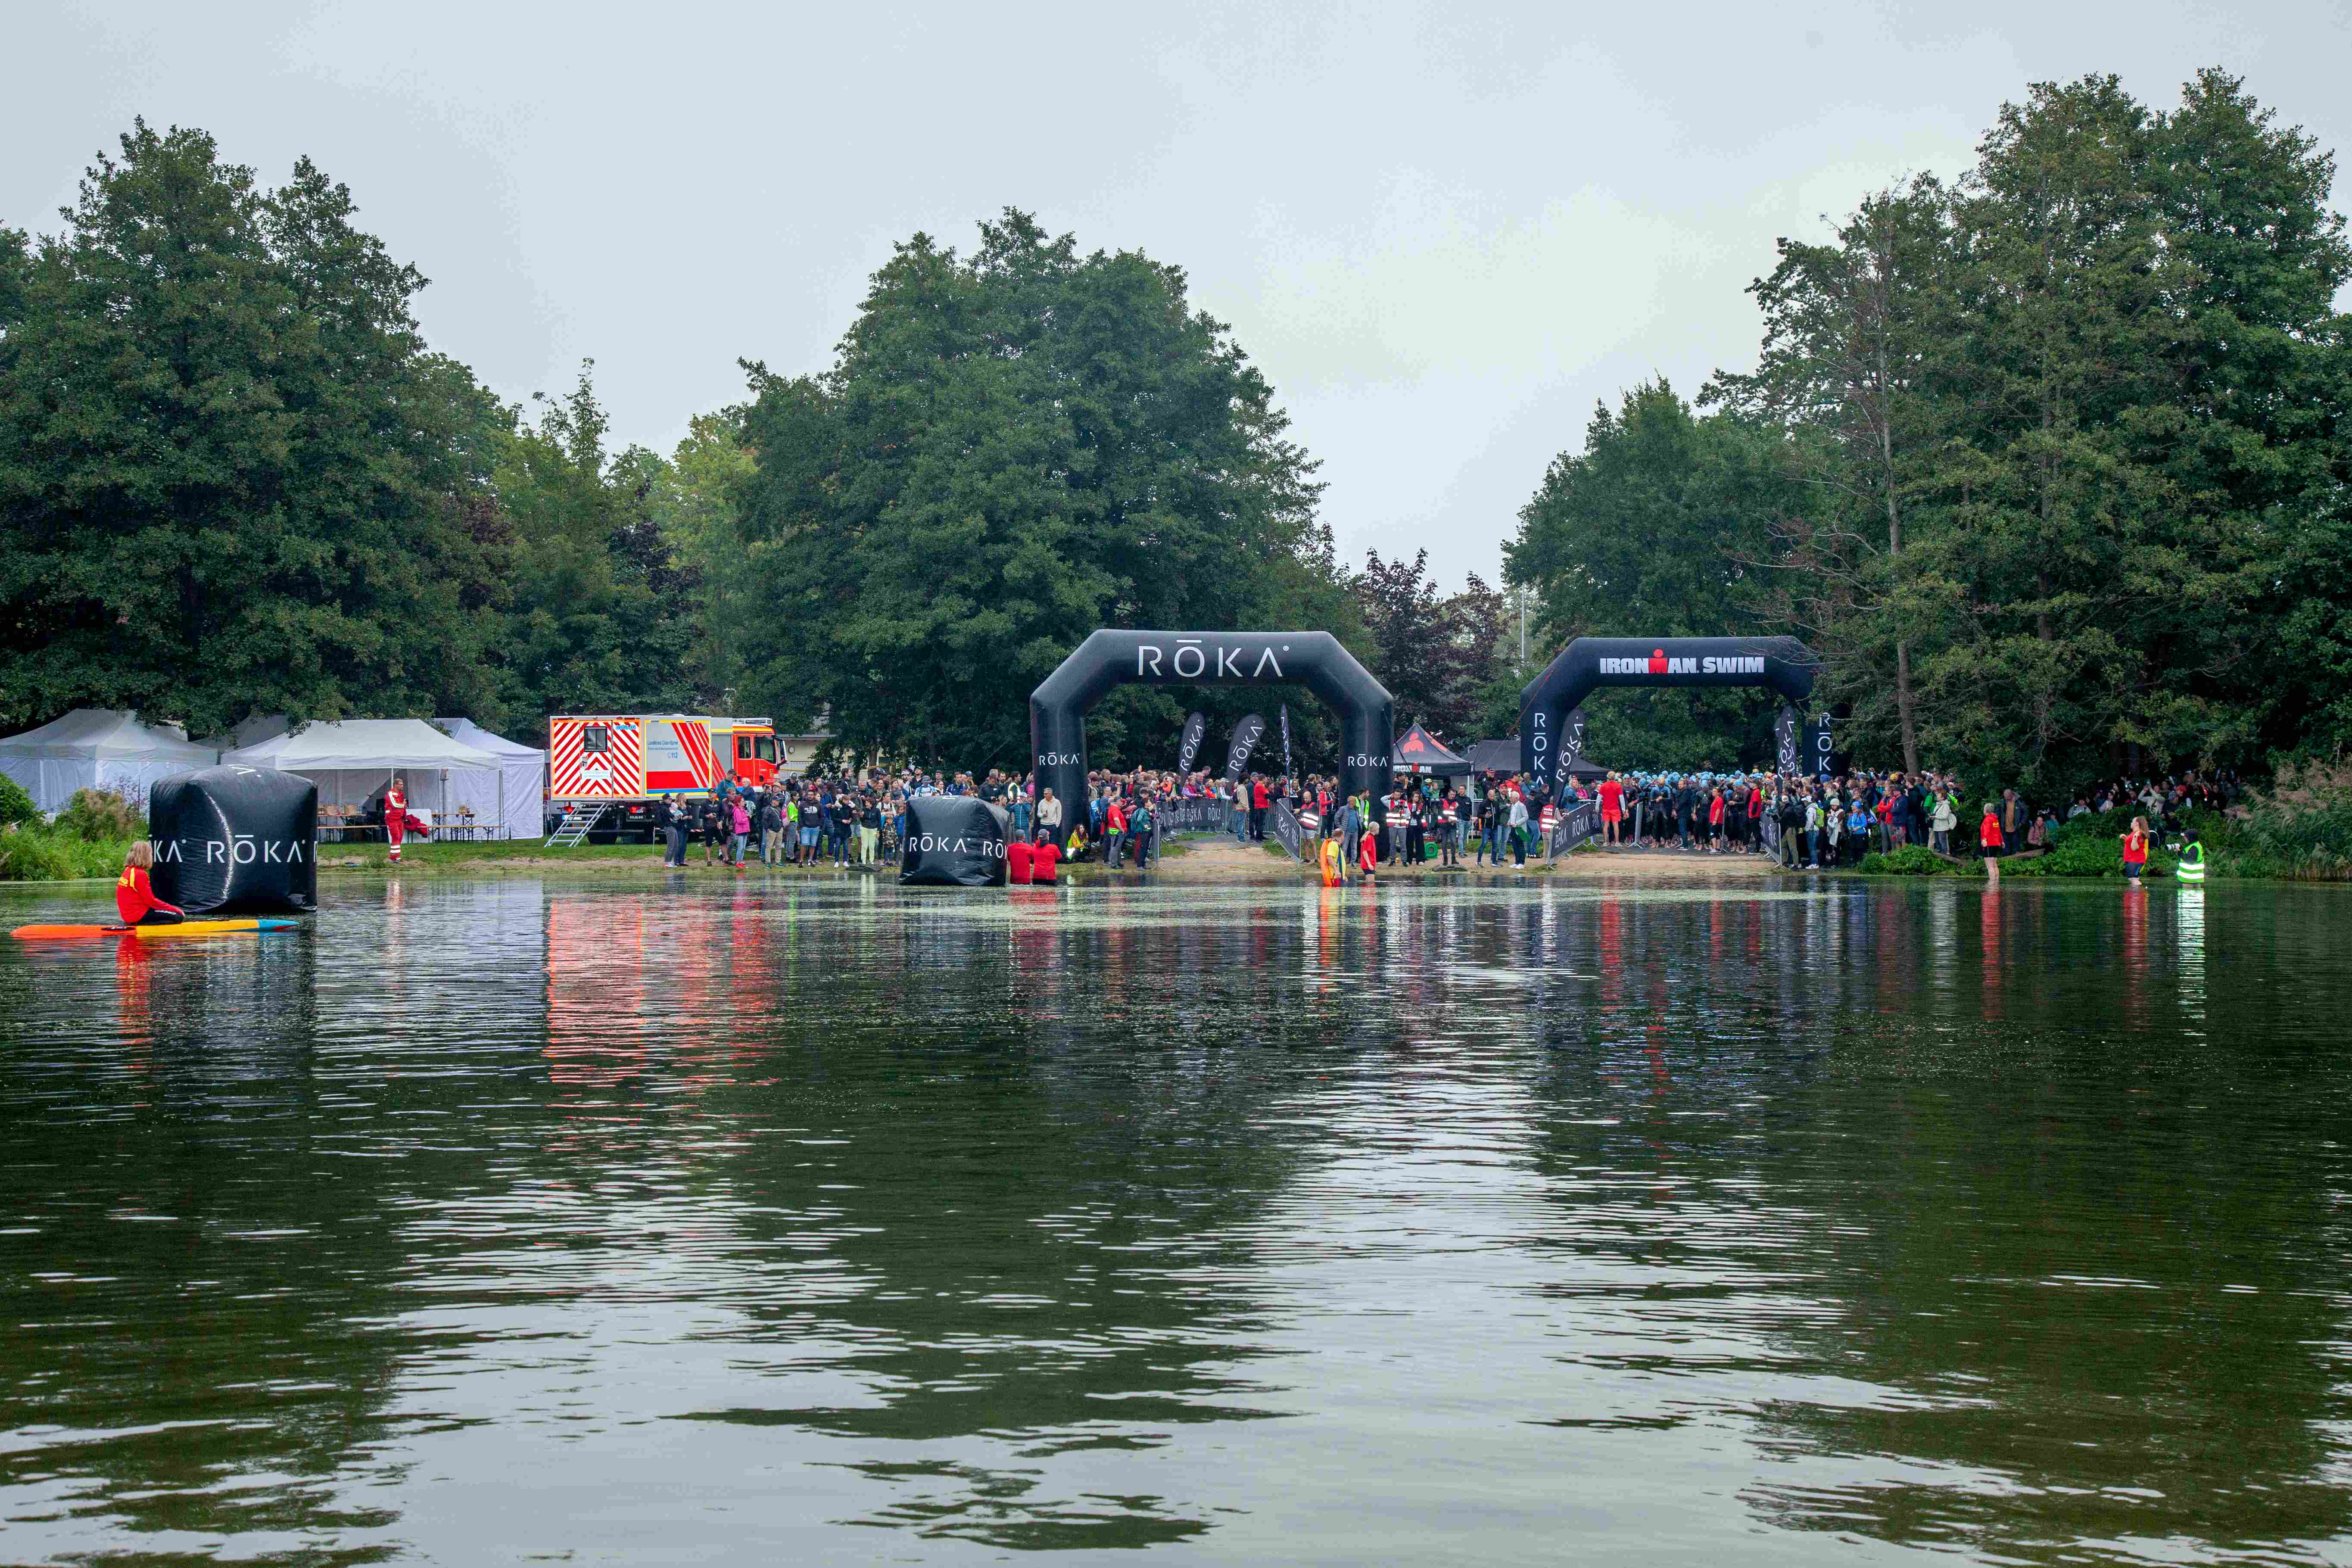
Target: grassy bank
point(30, 854)
point(89, 839)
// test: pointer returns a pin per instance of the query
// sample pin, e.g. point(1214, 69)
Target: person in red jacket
point(1259, 801)
point(1114, 831)
point(395, 816)
point(1613, 810)
point(135, 900)
point(1368, 854)
point(1018, 857)
point(2136, 849)
point(1045, 859)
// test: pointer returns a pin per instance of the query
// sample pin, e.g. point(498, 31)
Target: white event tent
point(512, 805)
point(352, 760)
point(97, 748)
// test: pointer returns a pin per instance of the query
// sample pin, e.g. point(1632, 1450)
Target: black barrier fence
point(1281, 826)
point(1578, 823)
point(1194, 815)
point(1581, 823)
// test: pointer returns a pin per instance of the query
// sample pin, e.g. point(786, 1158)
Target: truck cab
point(755, 756)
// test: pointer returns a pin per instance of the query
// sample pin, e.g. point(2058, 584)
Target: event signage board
point(1785, 742)
point(1196, 729)
point(1117, 657)
point(1589, 664)
point(1247, 735)
point(1571, 749)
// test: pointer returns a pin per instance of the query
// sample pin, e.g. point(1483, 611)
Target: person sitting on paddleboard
point(135, 900)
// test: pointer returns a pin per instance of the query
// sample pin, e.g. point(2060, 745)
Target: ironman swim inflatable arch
point(1784, 664)
point(1057, 709)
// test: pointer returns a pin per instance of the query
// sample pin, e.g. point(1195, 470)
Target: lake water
point(496, 1221)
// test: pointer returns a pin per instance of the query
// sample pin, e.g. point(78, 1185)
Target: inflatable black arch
point(1057, 709)
point(1784, 664)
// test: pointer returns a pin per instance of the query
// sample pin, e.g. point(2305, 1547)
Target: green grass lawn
point(494, 854)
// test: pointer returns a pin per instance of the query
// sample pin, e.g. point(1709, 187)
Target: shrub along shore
point(2278, 838)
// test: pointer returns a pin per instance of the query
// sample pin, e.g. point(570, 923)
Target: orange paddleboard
point(186, 928)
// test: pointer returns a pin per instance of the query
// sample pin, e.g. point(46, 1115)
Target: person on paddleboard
point(135, 900)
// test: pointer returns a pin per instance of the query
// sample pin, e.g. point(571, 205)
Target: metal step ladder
point(574, 827)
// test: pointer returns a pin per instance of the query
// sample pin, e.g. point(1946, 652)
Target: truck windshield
point(764, 748)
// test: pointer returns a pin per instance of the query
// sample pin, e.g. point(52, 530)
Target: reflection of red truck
point(624, 761)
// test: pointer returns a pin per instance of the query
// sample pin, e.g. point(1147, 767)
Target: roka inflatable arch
point(1784, 664)
point(1057, 709)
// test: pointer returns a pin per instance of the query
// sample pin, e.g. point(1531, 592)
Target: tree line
point(236, 480)
point(2048, 463)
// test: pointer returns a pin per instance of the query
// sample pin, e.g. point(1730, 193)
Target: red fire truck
point(623, 762)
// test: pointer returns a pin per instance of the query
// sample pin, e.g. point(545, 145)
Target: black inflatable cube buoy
point(234, 840)
point(954, 841)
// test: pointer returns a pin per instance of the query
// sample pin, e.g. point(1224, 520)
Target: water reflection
point(504, 1219)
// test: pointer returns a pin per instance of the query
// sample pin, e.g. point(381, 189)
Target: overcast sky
point(1442, 231)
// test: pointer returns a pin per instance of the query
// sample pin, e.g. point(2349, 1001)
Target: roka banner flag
point(1247, 735)
point(1286, 745)
point(1817, 746)
point(1196, 729)
point(1784, 742)
point(1571, 749)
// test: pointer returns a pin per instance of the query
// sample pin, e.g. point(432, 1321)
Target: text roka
point(1228, 661)
point(242, 850)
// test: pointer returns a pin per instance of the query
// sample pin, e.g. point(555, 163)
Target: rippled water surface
point(738, 1222)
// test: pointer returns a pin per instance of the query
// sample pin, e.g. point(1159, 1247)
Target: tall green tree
point(601, 614)
point(1663, 525)
point(232, 476)
point(1440, 657)
point(1848, 370)
point(2255, 447)
point(1014, 448)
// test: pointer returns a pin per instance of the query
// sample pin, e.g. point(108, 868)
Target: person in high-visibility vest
point(2192, 868)
point(1329, 856)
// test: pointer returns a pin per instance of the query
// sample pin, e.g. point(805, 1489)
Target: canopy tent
point(511, 806)
point(1419, 752)
point(354, 760)
point(98, 748)
point(248, 732)
point(1502, 757)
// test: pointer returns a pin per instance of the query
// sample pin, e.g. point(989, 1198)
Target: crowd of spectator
point(848, 819)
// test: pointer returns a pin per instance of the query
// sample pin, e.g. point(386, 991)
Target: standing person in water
point(395, 816)
point(134, 900)
point(2135, 849)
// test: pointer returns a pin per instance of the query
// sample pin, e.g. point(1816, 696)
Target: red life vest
point(133, 898)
